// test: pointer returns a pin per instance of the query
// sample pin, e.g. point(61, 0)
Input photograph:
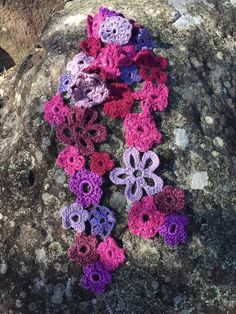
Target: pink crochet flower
point(141, 131)
point(111, 255)
point(144, 219)
point(93, 24)
point(55, 111)
point(153, 97)
point(70, 160)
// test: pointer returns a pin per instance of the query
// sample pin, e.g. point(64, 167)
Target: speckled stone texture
point(197, 154)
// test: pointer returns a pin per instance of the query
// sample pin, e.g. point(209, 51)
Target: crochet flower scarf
point(105, 78)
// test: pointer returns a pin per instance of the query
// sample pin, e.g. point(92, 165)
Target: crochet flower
point(138, 174)
point(102, 221)
point(119, 102)
point(101, 163)
point(80, 129)
point(84, 249)
point(130, 74)
point(141, 131)
point(106, 12)
point(170, 199)
point(153, 97)
point(173, 230)
point(55, 111)
point(111, 255)
point(144, 219)
point(70, 160)
point(64, 83)
point(74, 216)
point(115, 29)
point(151, 67)
point(80, 62)
point(143, 39)
point(88, 90)
point(91, 46)
point(96, 277)
point(93, 24)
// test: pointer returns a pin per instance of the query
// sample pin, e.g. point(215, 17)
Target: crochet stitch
point(80, 62)
point(64, 83)
point(74, 216)
point(55, 111)
point(86, 185)
point(70, 160)
point(130, 74)
point(138, 175)
point(101, 163)
point(91, 46)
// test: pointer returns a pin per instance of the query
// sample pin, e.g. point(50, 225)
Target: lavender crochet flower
point(86, 184)
point(106, 12)
point(74, 216)
point(96, 277)
point(130, 74)
point(115, 29)
point(64, 83)
point(173, 230)
point(80, 62)
point(143, 39)
point(138, 174)
point(102, 221)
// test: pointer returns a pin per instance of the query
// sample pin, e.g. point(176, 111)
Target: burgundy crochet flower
point(84, 249)
point(91, 46)
point(70, 160)
point(152, 67)
point(55, 111)
point(141, 131)
point(119, 102)
point(111, 255)
point(144, 219)
point(101, 163)
point(170, 199)
point(80, 129)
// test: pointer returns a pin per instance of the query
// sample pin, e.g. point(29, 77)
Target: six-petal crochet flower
point(70, 160)
point(101, 163)
point(74, 216)
point(55, 111)
point(80, 62)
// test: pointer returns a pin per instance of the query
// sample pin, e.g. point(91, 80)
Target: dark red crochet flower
point(81, 130)
point(170, 199)
point(97, 70)
point(84, 249)
point(152, 67)
point(119, 102)
point(91, 46)
point(101, 163)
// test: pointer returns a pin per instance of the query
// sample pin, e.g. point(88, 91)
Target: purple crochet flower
point(173, 230)
point(74, 216)
point(96, 277)
point(86, 184)
point(138, 174)
point(130, 74)
point(106, 12)
point(64, 83)
point(143, 39)
point(115, 29)
point(102, 221)
point(80, 62)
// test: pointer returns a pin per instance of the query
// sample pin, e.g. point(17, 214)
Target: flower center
point(140, 129)
point(96, 277)
point(137, 173)
point(86, 188)
point(83, 249)
point(145, 217)
point(169, 199)
point(100, 163)
point(75, 218)
point(102, 220)
point(172, 228)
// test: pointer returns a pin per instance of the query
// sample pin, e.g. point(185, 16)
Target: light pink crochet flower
point(141, 131)
point(70, 159)
point(111, 255)
point(55, 110)
point(80, 62)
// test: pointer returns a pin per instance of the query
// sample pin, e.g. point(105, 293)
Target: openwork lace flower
point(138, 174)
point(86, 185)
point(102, 221)
point(170, 199)
point(84, 249)
point(173, 230)
point(74, 216)
point(80, 62)
point(81, 130)
point(116, 29)
point(91, 46)
point(96, 277)
point(64, 83)
point(70, 160)
point(143, 39)
point(111, 255)
point(101, 163)
point(119, 102)
point(55, 111)
point(88, 90)
point(130, 74)
point(144, 219)
point(141, 131)
point(152, 96)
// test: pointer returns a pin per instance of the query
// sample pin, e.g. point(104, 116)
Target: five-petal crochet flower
point(64, 83)
point(101, 163)
point(74, 216)
point(55, 111)
point(130, 74)
point(70, 160)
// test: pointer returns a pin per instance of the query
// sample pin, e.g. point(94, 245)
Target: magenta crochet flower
point(141, 131)
point(93, 24)
point(55, 111)
point(70, 159)
point(80, 62)
point(173, 229)
point(74, 216)
point(111, 255)
point(86, 185)
point(138, 174)
point(87, 90)
point(144, 219)
point(152, 96)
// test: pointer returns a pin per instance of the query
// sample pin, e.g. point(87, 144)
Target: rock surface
point(197, 154)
